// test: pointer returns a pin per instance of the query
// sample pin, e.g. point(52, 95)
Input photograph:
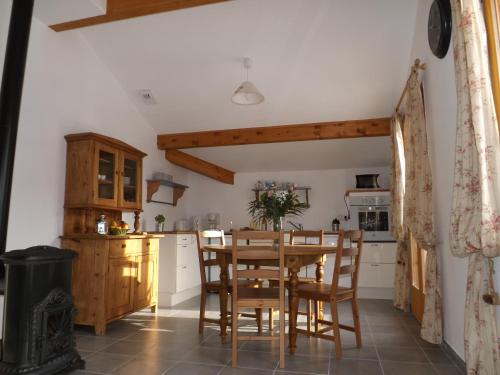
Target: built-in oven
point(370, 211)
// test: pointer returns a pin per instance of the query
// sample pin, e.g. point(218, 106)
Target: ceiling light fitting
point(247, 93)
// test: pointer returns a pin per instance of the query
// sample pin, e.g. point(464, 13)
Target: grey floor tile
point(438, 356)
point(93, 343)
point(392, 340)
point(365, 352)
point(257, 360)
point(211, 356)
point(148, 365)
point(355, 367)
point(415, 355)
point(129, 347)
point(245, 371)
point(399, 368)
point(193, 368)
point(449, 370)
point(106, 362)
point(316, 365)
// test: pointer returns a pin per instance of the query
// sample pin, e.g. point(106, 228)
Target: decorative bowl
point(118, 231)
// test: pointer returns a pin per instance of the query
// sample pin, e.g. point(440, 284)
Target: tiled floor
point(168, 343)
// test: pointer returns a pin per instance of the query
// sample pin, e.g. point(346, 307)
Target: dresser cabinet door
point(121, 280)
point(145, 283)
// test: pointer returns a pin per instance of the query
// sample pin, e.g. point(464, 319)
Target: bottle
point(335, 225)
point(101, 225)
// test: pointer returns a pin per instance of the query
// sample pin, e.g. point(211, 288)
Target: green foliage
point(273, 205)
point(160, 218)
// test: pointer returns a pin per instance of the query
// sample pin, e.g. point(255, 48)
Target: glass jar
point(101, 225)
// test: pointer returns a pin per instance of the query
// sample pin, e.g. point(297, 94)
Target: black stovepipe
point(10, 103)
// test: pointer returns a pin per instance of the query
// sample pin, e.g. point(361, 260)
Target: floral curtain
point(475, 216)
point(401, 281)
point(418, 210)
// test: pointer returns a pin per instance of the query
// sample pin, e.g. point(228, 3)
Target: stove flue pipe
point(10, 104)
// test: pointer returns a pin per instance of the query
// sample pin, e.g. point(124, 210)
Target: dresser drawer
point(185, 239)
point(383, 252)
point(150, 245)
point(187, 255)
point(123, 248)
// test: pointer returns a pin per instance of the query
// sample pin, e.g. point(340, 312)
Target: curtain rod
point(416, 66)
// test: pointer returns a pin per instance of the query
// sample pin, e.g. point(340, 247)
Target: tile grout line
point(375, 347)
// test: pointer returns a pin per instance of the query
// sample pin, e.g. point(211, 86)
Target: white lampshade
point(247, 94)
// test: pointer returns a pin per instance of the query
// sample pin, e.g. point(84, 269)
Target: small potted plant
point(160, 222)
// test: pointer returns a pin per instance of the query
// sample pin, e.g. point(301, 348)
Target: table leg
point(320, 272)
point(223, 293)
point(293, 306)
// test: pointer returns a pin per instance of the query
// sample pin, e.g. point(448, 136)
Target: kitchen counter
point(110, 237)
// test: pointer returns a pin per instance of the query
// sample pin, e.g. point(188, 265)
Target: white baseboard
point(166, 299)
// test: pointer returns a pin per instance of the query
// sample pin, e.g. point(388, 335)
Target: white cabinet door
point(379, 252)
point(186, 278)
point(376, 275)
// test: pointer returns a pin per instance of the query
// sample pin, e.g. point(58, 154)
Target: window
point(492, 21)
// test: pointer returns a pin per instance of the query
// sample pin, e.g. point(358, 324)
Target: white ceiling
point(51, 12)
point(297, 156)
point(314, 60)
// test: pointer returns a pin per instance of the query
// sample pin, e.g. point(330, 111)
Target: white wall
point(440, 100)
point(231, 201)
point(5, 6)
point(67, 90)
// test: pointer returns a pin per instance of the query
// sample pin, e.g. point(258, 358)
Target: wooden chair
point(318, 239)
point(258, 298)
point(334, 293)
point(217, 236)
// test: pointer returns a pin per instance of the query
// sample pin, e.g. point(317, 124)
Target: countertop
point(111, 237)
point(227, 233)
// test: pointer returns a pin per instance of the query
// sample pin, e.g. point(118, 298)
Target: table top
point(289, 249)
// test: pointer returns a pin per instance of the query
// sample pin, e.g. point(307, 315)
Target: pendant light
point(247, 93)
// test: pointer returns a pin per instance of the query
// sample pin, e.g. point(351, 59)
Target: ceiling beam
point(200, 166)
point(123, 9)
point(273, 134)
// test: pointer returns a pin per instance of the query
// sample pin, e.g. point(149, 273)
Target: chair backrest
point(353, 253)
point(216, 237)
point(271, 249)
point(307, 235)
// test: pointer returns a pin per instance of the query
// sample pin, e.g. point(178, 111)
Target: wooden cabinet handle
point(124, 246)
point(148, 243)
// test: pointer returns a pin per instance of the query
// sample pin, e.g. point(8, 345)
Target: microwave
point(371, 212)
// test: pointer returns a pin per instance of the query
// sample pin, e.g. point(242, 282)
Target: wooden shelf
point(154, 185)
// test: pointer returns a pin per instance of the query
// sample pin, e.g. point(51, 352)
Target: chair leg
point(316, 316)
point(336, 328)
point(282, 336)
point(258, 317)
point(308, 303)
point(357, 325)
point(234, 335)
point(271, 320)
point(203, 303)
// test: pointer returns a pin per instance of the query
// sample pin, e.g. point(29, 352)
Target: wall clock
point(439, 27)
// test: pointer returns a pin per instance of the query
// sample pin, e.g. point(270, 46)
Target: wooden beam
point(273, 134)
point(123, 9)
point(200, 166)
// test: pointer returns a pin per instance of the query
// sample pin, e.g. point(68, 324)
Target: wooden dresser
point(113, 275)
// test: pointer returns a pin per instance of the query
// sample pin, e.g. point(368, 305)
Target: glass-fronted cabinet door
point(106, 176)
point(130, 189)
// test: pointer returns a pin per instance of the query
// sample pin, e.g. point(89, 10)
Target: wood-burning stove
point(38, 312)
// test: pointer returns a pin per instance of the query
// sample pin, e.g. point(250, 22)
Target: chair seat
point(215, 285)
point(321, 291)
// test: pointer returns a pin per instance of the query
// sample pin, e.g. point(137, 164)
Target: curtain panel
point(418, 206)
point(475, 216)
point(401, 281)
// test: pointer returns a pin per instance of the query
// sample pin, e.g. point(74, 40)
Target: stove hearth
point(38, 313)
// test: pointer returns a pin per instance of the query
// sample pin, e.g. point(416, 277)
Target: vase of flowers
point(273, 205)
point(160, 222)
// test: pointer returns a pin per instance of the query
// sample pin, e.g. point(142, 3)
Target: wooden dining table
point(296, 256)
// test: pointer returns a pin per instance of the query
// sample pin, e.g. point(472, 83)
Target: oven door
point(374, 220)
